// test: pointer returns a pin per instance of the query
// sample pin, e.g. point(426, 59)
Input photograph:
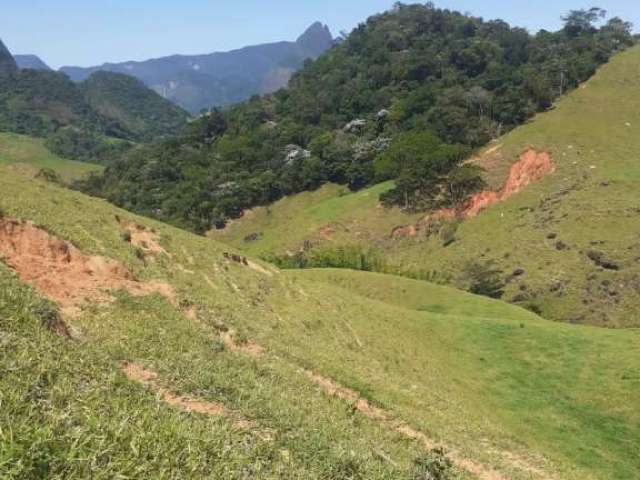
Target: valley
point(418, 260)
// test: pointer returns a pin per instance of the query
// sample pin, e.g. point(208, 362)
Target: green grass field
point(589, 204)
point(493, 383)
point(29, 155)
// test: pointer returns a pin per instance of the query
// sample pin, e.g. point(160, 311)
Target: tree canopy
point(405, 96)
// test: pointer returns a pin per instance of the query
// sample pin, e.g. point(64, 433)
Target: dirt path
point(385, 417)
point(136, 372)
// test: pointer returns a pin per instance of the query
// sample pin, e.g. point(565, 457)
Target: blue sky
point(89, 32)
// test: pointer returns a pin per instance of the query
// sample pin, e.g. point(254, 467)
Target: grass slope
point(492, 381)
point(28, 153)
point(589, 204)
point(331, 213)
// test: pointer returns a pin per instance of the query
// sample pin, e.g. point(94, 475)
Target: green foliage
point(484, 278)
point(428, 83)
point(131, 110)
point(426, 172)
point(49, 175)
point(93, 121)
point(351, 257)
point(39, 102)
point(433, 466)
point(448, 232)
point(85, 146)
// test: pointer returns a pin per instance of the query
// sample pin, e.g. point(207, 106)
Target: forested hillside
point(407, 96)
point(93, 121)
point(134, 111)
point(7, 62)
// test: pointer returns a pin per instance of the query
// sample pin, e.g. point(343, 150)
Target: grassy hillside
point(306, 374)
point(330, 214)
point(587, 206)
point(29, 155)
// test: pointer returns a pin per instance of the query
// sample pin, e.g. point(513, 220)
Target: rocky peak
point(316, 39)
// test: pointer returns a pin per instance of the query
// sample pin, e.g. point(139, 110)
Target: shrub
point(49, 175)
point(433, 466)
point(484, 278)
point(448, 233)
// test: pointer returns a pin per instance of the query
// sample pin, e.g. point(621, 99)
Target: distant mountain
point(218, 79)
point(138, 112)
point(32, 62)
point(78, 119)
point(7, 62)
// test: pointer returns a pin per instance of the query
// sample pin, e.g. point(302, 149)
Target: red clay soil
point(143, 238)
point(531, 167)
point(61, 272)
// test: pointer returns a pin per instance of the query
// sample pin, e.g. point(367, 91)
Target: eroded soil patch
point(64, 274)
point(248, 348)
point(142, 237)
point(532, 166)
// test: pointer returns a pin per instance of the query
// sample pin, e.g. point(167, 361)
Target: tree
point(581, 21)
point(462, 182)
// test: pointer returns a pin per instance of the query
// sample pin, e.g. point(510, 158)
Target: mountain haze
point(32, 62)
point(93, 121)
point(218, 79)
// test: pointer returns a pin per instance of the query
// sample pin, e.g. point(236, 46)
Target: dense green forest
point(406, 96)
point(96, 120)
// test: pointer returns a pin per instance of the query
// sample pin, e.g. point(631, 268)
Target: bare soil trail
point(385, 417)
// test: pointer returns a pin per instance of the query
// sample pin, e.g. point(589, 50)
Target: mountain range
point(32, 62)
point(197, 82)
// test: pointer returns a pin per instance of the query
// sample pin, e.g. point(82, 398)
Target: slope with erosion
point(573, 232)
point(270, 373)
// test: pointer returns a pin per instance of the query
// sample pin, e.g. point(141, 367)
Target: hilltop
point(197, 82)
point(570, 235)
point(140, 348)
